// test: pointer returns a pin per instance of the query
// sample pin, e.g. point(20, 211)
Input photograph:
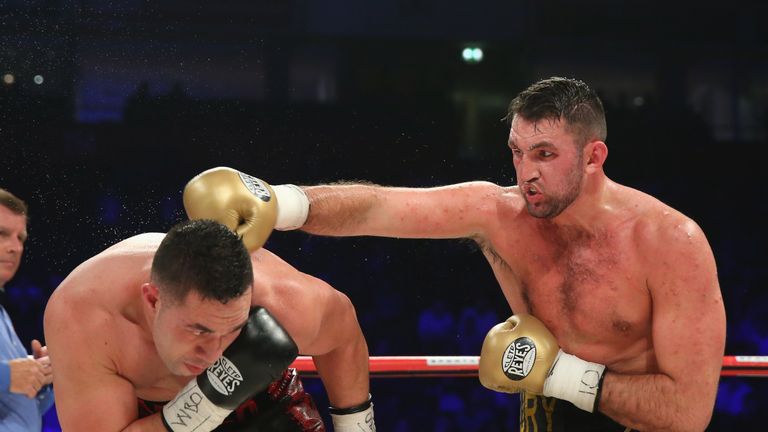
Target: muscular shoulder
point(495, 205)
point(510, 201)
point(102, 286)
point(486, 195)
point(145, 242)
point(78, 327)
point(500, 208)
point(104, 273)
point(658, 222)
point(663, 232)
point(296, 299)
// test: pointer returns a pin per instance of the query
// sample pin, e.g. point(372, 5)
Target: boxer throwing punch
point(629, 326)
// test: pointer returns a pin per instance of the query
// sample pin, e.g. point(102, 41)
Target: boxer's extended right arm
point(252, 207)
point(455, 211)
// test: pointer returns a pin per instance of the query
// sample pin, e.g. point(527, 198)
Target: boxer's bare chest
point(588, 288)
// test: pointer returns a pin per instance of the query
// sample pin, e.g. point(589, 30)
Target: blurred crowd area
point(90, 185)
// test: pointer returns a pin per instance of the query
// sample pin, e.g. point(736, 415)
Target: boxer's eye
point(198, 331)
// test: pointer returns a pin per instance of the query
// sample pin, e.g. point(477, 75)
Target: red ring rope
point(466, 366)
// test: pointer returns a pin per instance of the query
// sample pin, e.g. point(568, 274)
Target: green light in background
point(472, 54)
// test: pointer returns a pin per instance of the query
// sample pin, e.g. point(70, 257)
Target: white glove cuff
point(355, 419)
point(574, 380)
point(359, 421)
point(191, 411)
point(292, 207)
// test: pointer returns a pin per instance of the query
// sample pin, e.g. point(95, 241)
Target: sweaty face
point(13, 234)
point(548, 164)
point(191, 335)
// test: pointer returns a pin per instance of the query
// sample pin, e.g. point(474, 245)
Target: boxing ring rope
point(466, 366)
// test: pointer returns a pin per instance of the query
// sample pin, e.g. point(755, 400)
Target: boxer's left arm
point(90, 394)
point(688, 337)
point(339, 349)
point(340, 353)
point(324, 325)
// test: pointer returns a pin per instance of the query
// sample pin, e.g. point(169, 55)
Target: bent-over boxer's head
point(557, 134)
point(199, 295)
point(13, 234)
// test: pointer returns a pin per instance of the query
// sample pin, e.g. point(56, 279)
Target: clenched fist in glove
point(247, 205)
point(522, 354)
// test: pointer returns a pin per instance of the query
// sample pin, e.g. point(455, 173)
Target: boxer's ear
point(150, 296)
point(595, 154)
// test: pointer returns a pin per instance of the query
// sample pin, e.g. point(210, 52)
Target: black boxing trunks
point(546, 414)
point(284, 406)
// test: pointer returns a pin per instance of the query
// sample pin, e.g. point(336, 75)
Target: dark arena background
point(107, 109)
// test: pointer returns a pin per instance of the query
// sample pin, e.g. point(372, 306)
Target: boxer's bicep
point(688, 314)
point(88, 392)
point(454, 211)
point(318, 317)
point(305, 321)
point(287, 294)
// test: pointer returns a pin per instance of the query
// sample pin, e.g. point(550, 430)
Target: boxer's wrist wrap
point(292, 207)
point(575, 380)
point(191, 411)
point(354, 419)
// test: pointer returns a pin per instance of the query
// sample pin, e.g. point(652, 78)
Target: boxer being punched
point(192, 318)
point(620, 318)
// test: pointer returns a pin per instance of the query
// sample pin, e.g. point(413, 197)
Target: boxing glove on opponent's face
point(245, 204)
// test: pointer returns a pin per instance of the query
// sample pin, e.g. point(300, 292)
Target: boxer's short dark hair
point(565, 99)
point(202, 256)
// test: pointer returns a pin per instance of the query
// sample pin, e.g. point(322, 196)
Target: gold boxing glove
point(522, 354)
point(245, 204)
point(517, 354)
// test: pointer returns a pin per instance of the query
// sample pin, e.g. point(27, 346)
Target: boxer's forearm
point(340, 209)
point(655, 402)
point(344, 372)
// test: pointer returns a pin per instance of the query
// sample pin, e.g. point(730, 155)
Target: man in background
point(25, 390)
